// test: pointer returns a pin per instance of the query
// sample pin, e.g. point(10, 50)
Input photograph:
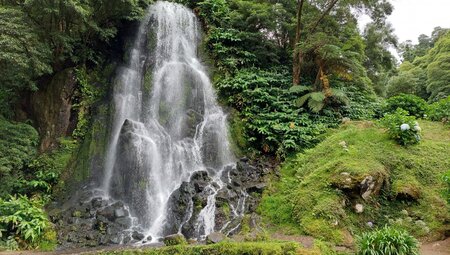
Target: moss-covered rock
point(176, 239)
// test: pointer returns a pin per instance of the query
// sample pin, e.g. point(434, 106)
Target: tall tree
point(297, 61)
point(376, 8)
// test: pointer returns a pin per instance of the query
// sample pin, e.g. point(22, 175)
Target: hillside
point(358, 179)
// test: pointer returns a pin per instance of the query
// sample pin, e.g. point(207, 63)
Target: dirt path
point(436, 248)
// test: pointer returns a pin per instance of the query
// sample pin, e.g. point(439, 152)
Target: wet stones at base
point(94, 222)
point(91, 220)
point(242, 186)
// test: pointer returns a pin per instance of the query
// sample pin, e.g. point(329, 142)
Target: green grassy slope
point(319, 189)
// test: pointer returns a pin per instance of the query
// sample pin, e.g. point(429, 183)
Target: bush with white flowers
point(402, 128)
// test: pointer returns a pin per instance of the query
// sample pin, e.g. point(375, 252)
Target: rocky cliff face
point(51, 108)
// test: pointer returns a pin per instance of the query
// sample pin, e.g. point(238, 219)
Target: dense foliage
point(440, 110)
point(387, 241)
point(425, 73)
point(27, 184)
point(17, 149)
point(272, 122)
point(23, 219)
point(43, 37)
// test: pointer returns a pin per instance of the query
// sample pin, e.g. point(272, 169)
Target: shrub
point(414, 105)
point(402, 128)
point(440, 111)
point(387, 241)
point(24, 219)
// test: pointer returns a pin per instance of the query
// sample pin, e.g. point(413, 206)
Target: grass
point(229, 248)
point(318, 188)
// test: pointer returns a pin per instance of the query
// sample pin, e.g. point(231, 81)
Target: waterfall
point(166, 125)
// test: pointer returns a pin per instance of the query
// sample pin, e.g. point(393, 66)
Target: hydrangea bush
point(413, 105)
point(402, 128)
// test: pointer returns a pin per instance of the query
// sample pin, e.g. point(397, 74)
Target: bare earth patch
point(436, 248)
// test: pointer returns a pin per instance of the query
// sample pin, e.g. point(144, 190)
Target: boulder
point(120, 213)
point(359, 208)
point(136, 235)
point(215, 237)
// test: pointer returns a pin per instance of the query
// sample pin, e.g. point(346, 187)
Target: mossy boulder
point(176, 239)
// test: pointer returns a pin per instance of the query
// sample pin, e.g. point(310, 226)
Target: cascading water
point(167, 126)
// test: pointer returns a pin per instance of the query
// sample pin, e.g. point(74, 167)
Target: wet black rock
point(138, 236)
point(186, 202)
point(91, 223)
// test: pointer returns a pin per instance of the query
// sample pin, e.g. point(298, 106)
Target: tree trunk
point(324, 81)
point(297, 58)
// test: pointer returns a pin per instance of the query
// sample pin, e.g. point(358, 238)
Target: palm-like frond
point(340, 96)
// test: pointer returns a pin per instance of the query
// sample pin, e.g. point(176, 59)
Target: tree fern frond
point(340, 95)
point(302, 100)
point(317, 96)
point(315, 106)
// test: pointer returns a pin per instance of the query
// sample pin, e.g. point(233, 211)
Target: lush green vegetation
point(413, 105)
point(319, 189)
point(438, 111)
point(288, 71)
point(25, 224)
point(44, 37)
point(425, 71)
point(387, 241)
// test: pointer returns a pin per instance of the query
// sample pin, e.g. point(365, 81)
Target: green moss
point(226, 210)
point(148, 81)
point(229, 248)
point(245, 224)
point(318, 188)
point(49, 241)
point(236, 129)
point(175, 240)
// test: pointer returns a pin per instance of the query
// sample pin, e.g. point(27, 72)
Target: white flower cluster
point(405, 127)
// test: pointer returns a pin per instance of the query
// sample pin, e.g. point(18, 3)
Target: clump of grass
point(387, 241)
